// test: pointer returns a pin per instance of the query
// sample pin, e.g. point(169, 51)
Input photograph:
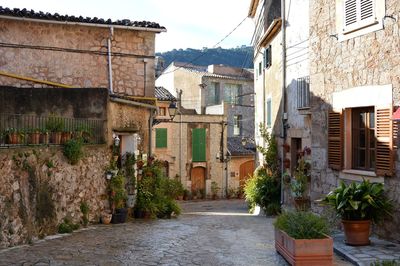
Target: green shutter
point(199, 145)
point(161, 137)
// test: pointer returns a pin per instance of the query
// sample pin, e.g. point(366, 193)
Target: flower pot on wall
point(286, 163)
point(357, 232)
point(56, 137)
point(13, 138)
point(34, 138)
point(45, 138)
point(65, 136)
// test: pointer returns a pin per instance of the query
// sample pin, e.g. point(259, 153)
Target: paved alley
point(208, 233)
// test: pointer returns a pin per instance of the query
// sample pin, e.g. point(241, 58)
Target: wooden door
point(246, 170)
point(198, 179)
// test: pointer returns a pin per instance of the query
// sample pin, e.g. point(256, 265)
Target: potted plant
point(13, 136)
point(44, 136)
point(359, 204)
point(34, 136)
point(118, 198)
point(302, 239)
point(55, 125)
point(299, 185)
point(106, 217)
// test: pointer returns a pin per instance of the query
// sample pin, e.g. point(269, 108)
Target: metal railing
point(22, 130)
point(303, 93)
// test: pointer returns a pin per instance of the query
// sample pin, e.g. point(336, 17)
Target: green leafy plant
point(214, 189)
point(263, 190)
point(359, 201)
point(85, 213)
point(54, 124)
point(118, 191)
point(386, 263)
point(270, 152)
point(73, 150)
point(302, 225)
point(300, 182)
point(67, 226)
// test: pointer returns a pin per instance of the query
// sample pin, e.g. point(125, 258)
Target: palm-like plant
point(360, 201)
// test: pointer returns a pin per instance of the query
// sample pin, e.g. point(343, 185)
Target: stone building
point(354, 82)
point(87, 73)
point(218, 90)
point(190, 145)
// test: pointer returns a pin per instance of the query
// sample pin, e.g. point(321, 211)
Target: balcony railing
point(303, 93)
point(22, 130)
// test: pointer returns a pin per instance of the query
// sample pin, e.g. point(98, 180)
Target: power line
point(204, 53)
point(70, 50)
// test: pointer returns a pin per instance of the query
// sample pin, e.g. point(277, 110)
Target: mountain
point(237, 57)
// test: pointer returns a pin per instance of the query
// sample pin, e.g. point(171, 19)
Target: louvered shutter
point(161, 138)
point(384, 142)
point(335, 140)
point(358, 14)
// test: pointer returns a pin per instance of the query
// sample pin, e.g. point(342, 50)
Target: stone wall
point(40, 188)
point(369, 60)
point(77, 69)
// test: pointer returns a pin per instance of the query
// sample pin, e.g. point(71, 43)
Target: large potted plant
point(302, 239)
point(359, 204)
point(118, 198)
point(299, 185)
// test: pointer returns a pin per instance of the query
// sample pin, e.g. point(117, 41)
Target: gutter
point(84, 24)
point(132, 103)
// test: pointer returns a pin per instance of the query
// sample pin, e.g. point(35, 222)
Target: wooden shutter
point(199, 145)
point(335, 140)
point(161, 137)
point(358, 14)
point(384, 142)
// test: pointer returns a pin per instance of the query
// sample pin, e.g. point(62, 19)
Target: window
point(363, 138)
point(231, 93)
point(268, 57)
point(269, 114)
point(237, 125)
point(368, 138)
point(162, 111)
point(303, 93)
point(260, 68)
point(161, 138)
point(214, 93)
point(199, 145)
point(358, 17)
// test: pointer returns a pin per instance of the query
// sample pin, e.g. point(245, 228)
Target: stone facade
point(368, 62)
point(28, 173)
point(178, 152)
point(77, 69)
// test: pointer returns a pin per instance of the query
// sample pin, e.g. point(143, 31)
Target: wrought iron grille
point(303, 93)
point(22, 130)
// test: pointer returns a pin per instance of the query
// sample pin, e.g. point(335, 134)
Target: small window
point(358, 17)
point(237, 125)
point(269, 114)
point(303, 93)
point(260, 68)
point(161, 138)
point(268, 57)
point(232, 93)
point(162, 111)
point(214, 93)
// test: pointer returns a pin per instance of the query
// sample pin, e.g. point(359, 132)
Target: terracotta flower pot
point(65, 136)
point(106, 218)
point(13, 138)
point(306, 252)
point(34, 138)
point(357, 232)
point(286, 163)
point(56, 137)
point(45, 138)
point(301, 204)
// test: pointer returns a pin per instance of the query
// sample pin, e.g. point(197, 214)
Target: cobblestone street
point(208, 233)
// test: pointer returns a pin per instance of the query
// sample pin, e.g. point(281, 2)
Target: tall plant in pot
point(299, 185)
point(359, 204)
point(118, 198)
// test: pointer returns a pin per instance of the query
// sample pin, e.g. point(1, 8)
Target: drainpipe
point(110, 77)
point(180, 132)
point(283, 128)
point(144, 78)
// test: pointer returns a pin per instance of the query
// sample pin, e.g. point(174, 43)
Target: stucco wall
point(369, 60)
point(76, 69)
point(27, 173)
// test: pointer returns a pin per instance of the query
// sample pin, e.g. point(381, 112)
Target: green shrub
point(54, 124)
point(386, 263)
point(118, 191)
point(85, 213)
point(67, 226)
point(73, 150)
point(302, 225)
point(263, 190)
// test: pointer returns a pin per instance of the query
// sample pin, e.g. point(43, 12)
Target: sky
point(190, 23)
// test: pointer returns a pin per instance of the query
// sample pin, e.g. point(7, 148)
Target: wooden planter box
point(307, 252)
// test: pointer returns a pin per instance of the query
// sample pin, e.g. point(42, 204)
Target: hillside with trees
point(237, 57)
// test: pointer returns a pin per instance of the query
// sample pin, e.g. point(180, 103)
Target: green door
point(199, 145)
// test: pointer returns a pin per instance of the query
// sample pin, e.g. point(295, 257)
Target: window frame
point(268, 111)
point(237, 124)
